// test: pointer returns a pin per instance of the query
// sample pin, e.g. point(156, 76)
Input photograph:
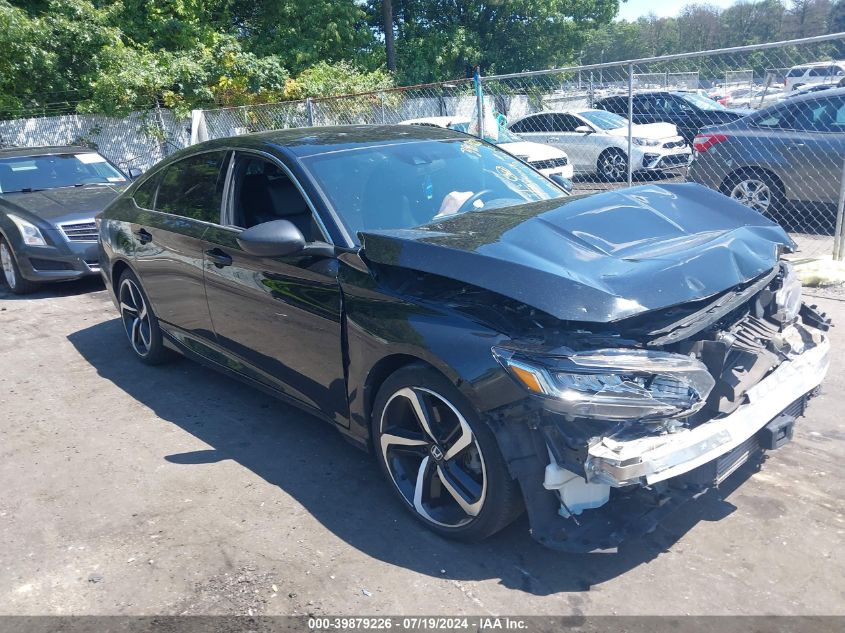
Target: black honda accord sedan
point(499, 345)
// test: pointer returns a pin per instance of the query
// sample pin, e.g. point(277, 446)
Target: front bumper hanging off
point(652, 459)
point(653, 475)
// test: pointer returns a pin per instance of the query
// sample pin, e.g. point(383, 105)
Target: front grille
point(48, 264)
point(80, 231)
point(550, 163)
point(674, 144)
point(728, 463)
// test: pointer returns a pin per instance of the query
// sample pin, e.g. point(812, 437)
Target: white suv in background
point(812, 74)
point(546, 159)
point(597, 141)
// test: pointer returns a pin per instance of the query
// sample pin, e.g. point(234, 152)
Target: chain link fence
point(734, 120)
point(137, 141)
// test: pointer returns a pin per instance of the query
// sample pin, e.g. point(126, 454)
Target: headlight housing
point(30, 234)
point(788, 297)
point(648, 142)
point(614, 384)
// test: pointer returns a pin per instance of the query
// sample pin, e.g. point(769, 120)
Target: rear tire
point(448, 471)
point(756, 189)
point(12, 272)
point(140, 322)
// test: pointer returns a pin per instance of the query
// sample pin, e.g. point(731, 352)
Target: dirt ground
point(126, 489)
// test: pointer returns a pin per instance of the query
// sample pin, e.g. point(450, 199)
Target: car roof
point(310, 141)
point(17, 152)
point(815, 94)
point(818, 64)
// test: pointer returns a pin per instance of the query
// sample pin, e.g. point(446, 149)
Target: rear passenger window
point(193, 187)
point(145, 195)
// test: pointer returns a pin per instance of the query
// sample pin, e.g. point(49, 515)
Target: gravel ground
point(173, 490)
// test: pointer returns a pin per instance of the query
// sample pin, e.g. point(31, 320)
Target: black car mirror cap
point(272, 239)
point(584, 129)
point(562, 182)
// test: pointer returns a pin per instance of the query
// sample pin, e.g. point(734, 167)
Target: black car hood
point(64, 204)
point(595, 258)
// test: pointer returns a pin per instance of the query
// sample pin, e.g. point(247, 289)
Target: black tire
point(12, 276)
point(140, 322)
point(756, 180)
point(612, 165)
point(478, 467)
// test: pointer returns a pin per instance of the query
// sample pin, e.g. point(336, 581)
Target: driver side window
point(263, 192)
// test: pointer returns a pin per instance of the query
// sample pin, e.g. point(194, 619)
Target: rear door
point(277, 319)
point(168, 242)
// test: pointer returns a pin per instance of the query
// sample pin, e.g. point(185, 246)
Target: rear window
point(796, 72)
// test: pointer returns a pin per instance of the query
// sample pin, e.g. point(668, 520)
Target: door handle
point(143, 236)
point(219, 258)
point(795, 145)
point(554, 139)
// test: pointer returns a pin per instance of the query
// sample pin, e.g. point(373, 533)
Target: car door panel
point(279, 319)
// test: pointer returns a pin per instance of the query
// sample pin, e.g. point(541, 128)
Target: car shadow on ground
point(61, 289)
point(342, 486)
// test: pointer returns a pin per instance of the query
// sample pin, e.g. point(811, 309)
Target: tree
point(388, 35)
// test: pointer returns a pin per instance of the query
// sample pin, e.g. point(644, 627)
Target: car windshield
point(702, 103)
point(50, 171)
point(604, 120)
point(408, 184)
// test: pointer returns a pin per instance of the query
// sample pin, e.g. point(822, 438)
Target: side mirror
point(584, 129)
point(563, 183)
point(134, 172)
point(272, 239)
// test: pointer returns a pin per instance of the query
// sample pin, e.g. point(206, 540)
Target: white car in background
point(813, 74)
point(597, 141)
point(546, 159)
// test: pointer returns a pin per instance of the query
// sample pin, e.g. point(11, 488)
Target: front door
point(278, 319)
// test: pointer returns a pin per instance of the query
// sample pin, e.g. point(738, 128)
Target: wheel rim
point(8, 265)
point(136, 317)
point(614, 165)
point(753, 193)
point(433, 457)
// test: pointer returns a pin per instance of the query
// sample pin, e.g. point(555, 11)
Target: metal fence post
point(309, 112)
point(479, 103)
point(839, 234)
point(383, 117)
point(630, 121)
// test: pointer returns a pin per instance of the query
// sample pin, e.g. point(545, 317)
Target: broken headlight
point(614, 384)
point(788, 297)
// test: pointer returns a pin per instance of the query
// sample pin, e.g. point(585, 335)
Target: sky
point(632, 9)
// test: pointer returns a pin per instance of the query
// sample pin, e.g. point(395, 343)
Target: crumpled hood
point(66, 204)
point(596, 258)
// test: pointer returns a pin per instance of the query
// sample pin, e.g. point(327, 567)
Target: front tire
point(140, 322)
point(613, 165)
point(12, 272)
point(441, 459)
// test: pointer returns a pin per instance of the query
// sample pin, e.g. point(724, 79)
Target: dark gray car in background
point(791, 151)
point(48, 199)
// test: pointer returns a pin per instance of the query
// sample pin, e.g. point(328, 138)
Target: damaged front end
point(633, 418)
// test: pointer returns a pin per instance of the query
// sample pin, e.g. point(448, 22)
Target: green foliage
point(443, 39)
point(326, 80)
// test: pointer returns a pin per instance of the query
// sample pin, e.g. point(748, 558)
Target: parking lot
point(129, 489)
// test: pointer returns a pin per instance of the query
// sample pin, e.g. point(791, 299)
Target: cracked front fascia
point(651, 459)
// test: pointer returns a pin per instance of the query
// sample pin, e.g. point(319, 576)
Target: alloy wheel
point(135, 316)
point(433, 457)
point(8, 265)
point(753, 193)
point(614, 166)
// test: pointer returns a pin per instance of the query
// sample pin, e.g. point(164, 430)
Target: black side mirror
point(272, 239)
point(563, 183)
point(134, 172)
